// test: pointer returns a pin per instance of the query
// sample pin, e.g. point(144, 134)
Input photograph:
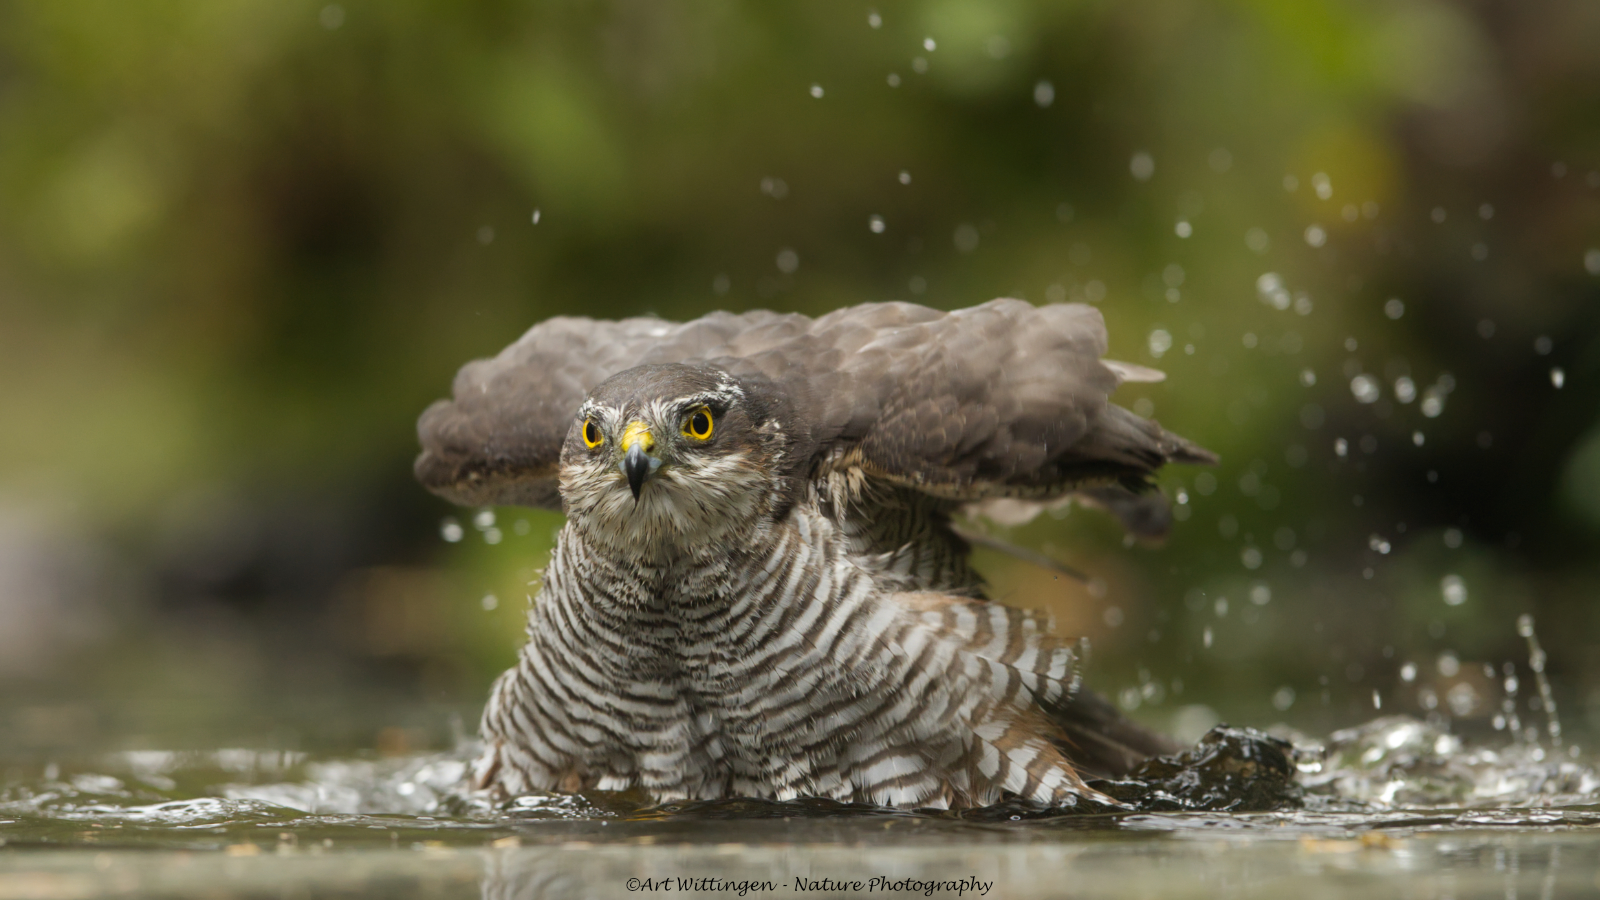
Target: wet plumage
point(758, 591)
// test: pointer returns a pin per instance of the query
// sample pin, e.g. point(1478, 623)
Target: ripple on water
point(1394, 772)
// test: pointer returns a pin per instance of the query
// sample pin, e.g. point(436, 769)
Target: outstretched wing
point(1000, 400)
point(1003, 400)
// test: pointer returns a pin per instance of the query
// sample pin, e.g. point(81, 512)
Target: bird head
point(662, 458)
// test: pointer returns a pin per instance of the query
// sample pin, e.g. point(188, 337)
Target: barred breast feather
point(789, 673)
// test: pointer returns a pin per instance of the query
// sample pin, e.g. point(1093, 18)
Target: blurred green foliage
point(243, 244)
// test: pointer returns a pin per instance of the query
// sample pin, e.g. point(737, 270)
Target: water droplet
point(536, 215)
point(1525, 625)
point(894, 79)
point(1291, 183)
point(1249, 340)
point(1341, 447)
point(1449, 664)
point(1365, 388)
point(1113, 616)
point(489, 602)
point(1283, 698)
point(1558, 377)
point(492, 536)
point(788, 261)
point(1432, 403)
point(1316, 236)
point(929, 45)
point(816, 91)
point(919, 65)
point(1377, 543)
point(1417, 438)
point(1308, 378)
point(1261, 594)
point(966, 238)
point(1395, 308)
point(483, 519)
point(721, 284)
point(1220, 607)
point(1173, 275)
point(1453, 589)
point(905, 176)
point(1408, 672)
point(1183, 229)
point(1480, 251)
point(1452, 538)
point(1591, 261)
point(1220, 160)
point(1322, 185)
point(1405, 390)
point(876, 224)
point(998, 45)
point(1142, 165)
point(776, 188)
point(1370, 209)
point(1349, 212)
point(918, 285)
point(1056, 293)
point(1044, 94)
point(1542, 345)
point(451, 531)
point(1438, 215)
point(1251, 558)
point(331, 16)
point(1160, 342)
point(874, 20)
point(1094, 290)
point(1257, 240)
point(486, 234)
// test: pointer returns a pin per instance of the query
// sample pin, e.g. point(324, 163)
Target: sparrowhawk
point(758, 590)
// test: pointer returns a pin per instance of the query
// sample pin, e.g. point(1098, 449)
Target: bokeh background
point(244, 243)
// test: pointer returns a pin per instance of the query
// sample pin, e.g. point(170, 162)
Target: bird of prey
point(758, 591)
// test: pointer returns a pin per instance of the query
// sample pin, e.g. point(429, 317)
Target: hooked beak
point(637, 463)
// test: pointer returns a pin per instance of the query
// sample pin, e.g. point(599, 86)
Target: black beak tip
point(637, 467)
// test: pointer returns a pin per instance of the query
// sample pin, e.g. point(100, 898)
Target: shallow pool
point(1397, 806)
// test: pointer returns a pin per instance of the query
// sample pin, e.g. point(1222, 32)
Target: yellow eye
point(592, 437)
point(698, 424)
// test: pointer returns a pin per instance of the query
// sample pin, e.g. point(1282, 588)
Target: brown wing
point(999, 400)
